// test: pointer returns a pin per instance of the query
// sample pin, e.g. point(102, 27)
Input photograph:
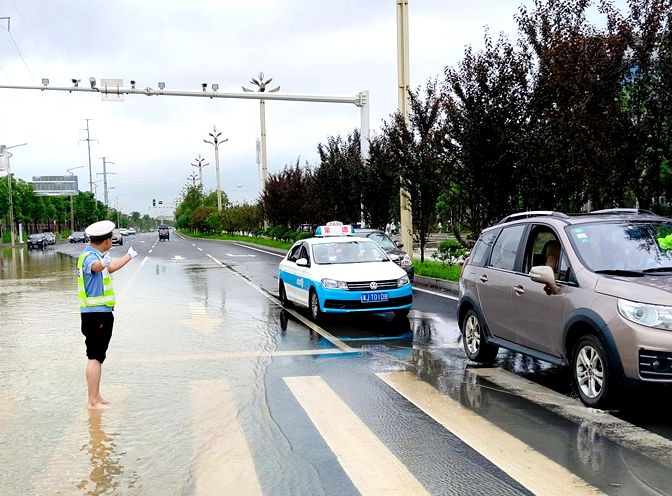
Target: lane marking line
point(222, 462)
point(617, 430)
point(237, 354)
point(436, 293)
point(199, 248)
point(533, 470)
point(258, 249)
point(372, 468)
point(326, 335)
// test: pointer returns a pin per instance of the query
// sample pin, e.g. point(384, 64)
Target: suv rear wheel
point(591, 373)
point(473, 339)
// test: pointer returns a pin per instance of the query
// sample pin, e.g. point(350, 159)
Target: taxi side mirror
point(302, 262)
point(399, 244)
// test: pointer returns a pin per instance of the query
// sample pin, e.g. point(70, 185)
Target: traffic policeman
point(96, 302)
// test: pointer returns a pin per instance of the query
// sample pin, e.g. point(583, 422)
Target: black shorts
point(97, 327)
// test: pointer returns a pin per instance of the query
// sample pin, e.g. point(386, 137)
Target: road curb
point(433, 282)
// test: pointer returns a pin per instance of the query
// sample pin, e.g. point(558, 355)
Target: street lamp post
point(216, 142)
point(260, 83)
point(72, 209)
point(199, 164)
point(5, 156)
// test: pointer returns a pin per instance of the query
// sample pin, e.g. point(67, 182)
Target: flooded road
point(217, 390)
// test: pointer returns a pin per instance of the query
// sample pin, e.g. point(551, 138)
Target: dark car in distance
point(392, 248)
point(78, 237)
point(164, 233)
point(51, 237)
point(38, 240)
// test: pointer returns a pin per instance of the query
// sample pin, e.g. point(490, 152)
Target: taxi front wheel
point(284, 301)
point(315, 311)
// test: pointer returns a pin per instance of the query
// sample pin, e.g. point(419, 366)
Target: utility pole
point(72, 206)
point(104, 174)
point(88, 144)
point(199, 164)
point(403, 76)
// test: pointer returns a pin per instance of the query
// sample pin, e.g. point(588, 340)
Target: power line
point(17, 48)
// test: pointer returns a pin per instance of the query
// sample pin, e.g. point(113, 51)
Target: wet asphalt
point(201, 345)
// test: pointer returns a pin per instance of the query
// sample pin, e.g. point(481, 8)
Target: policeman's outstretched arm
point(120, 262)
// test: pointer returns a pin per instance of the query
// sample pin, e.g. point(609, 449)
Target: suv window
point(479, 254)
point(505, 250)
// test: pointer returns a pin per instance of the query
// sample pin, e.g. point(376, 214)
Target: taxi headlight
point(403, 281)
point(406, 261)
point(334, 284)
point(657, 316)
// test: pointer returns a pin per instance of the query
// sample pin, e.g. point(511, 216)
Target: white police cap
point(100, 229)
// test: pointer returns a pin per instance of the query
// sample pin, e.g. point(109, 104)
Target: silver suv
point(592, 292)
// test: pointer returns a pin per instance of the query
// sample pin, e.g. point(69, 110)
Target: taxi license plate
point(373, 297)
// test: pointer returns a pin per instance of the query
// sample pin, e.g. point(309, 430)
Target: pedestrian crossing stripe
point(370, 465)
point(531, 469)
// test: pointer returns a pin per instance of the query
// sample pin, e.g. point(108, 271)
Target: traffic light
point(153, 203)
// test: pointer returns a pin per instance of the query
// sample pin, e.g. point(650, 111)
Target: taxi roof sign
point(334, 228)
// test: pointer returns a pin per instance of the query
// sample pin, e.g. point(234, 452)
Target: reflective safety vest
point(106, 299)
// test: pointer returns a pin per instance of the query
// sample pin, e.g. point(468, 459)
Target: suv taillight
point(464, 264)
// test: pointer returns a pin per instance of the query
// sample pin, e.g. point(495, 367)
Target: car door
point(536, 317)
point(294, 276)
point(495, 281)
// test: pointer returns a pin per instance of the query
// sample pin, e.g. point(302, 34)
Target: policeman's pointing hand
point(132, 252)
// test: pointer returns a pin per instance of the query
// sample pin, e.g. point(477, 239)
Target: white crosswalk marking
point(373, 469)
point(222, 463)
point(530, 468)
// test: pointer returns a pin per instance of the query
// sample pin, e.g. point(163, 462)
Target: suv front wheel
point(591, 372)
point(473, 339)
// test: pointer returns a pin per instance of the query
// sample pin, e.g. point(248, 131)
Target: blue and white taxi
point(337, 272)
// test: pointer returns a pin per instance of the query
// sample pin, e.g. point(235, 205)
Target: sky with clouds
point(308, 47)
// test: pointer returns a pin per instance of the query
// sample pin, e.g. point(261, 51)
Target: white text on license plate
point(373, 297)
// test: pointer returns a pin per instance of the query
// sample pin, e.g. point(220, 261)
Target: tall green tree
point(419, 153)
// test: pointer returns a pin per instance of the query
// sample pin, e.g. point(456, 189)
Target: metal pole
point(11, 204)
point(264, 165)
point(403, 74)
point(219, 189)
point(72, 215)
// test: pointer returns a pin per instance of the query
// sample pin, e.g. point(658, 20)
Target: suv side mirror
point(399, 244)
point(545, 275)
point(302, 262)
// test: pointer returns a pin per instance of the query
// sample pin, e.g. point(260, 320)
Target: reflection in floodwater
point(105, 467)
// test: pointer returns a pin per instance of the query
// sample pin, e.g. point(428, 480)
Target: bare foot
point(103, 401)
point(97, 406)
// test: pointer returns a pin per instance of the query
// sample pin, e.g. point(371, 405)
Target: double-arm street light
point(4, 157)
point(260, 83)
point(216, 142)
point(72, 209)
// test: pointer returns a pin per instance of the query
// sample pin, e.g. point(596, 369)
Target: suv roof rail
point(608, 211)
point(533, 213)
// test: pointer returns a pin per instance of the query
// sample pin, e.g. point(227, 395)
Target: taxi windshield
point(339, 252)
point(644, 247)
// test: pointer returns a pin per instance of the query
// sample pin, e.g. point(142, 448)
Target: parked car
point(78, 237)
point(117, 238)
point(131, 231)
point(336, 272)
point(51, 237)
point(123, 231)
point(38, 240)
point(392, 248)
point(592, 292)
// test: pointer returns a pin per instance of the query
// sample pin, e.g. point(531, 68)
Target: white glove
point(107, 260)
point(132, 252)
